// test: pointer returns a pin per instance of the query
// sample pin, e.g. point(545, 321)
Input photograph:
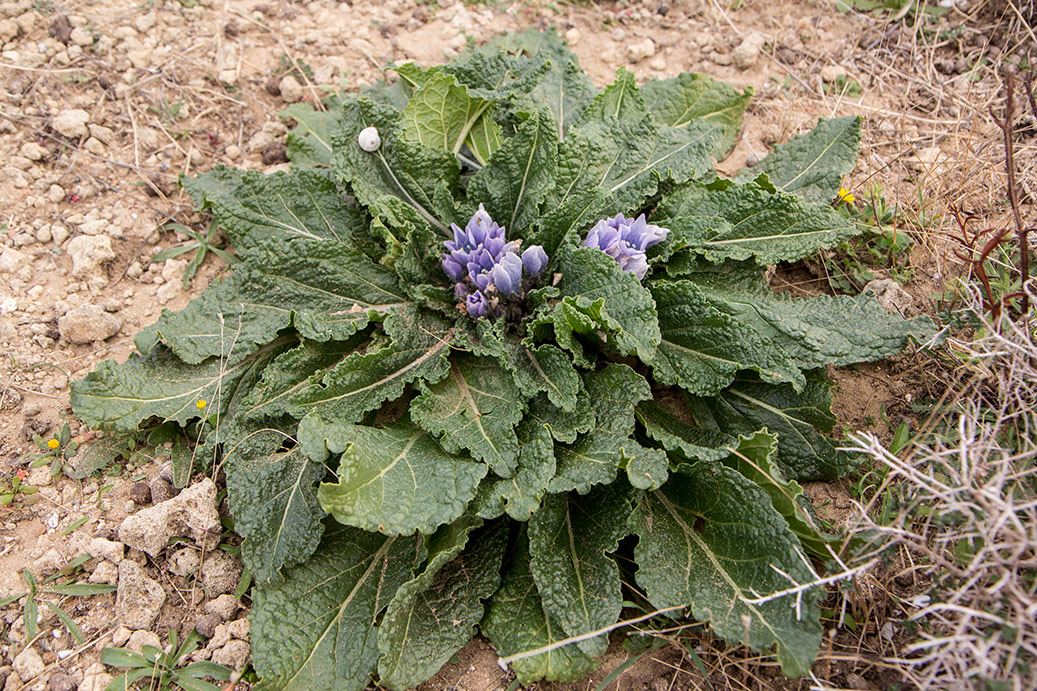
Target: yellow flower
point(53, 444)
point(846, 195)
point(201, 404)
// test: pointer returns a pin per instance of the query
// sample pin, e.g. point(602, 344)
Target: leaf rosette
point(491, 324)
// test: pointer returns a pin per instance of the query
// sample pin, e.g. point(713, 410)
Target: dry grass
point(968, 523)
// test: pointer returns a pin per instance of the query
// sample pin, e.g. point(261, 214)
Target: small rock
point(892, 297)
point(752, 160)
point(239, 629)
point(89, 255)
point(15, 262)
point(220, 637)
point(33, 151)
point(105, 572)
point(747, 52)
point(233, 655)
point(220, 573)
point(145, 22)
point(161, 490)
point(13, 682)
point(95, 678)
point(190, 514)
point(639, 50)
point(722, 59)
point(60, 681)
point(56, 194)
point(120, 636)
point(88, 323)
point(658, 63)
point(573, 36)
point(138, 599)
point(139, 639)
point(95, 146)
point(926, 160)
point(233, 152)
point(856, 681)
point(49, 562)
point(291, 90)
point(830, 73)
point(275, 152)
point(106, 549)
point(81, 37)
point(71, 123)
point(206, 624)
point(28, 664)
point(223, 606)
point(140, 494)
point(39, 477)
point(184, 562)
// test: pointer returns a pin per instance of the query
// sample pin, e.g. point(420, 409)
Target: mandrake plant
point(500, 342)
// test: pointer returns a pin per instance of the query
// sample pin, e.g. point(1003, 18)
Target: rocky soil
point(105, 104)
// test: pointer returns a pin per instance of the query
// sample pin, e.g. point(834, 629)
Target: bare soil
point(175, 87)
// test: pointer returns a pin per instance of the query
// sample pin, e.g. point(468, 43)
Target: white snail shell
point(369, 139)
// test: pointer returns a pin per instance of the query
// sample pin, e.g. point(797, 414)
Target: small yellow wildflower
point(53, 444)
point(201, 404)
point(846, 195)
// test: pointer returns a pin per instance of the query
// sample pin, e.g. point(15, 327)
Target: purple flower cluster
point(626, 240)
point(486, 267)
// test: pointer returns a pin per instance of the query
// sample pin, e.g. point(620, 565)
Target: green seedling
point(162, 668)
point(201, 246)
point(36, 590)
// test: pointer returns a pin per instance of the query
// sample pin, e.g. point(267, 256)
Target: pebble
point(291, 90)
point(224, 606)
point(830, 73)
point(747, 52)
point(722, 59)
point(139, 639)
point(32, 151)
point(233, 655)
point(105, 572)
point(206, 624)
point(88, 323)
point(60, 680)
point(28, 664)
point(192, 514)
point(56, 194)
point(639, 50)
point(95, 678)
point(120, 636)
point(81, 37)
point(220, 573)
point(89, 255)
point(138, 599)
point(71, 123)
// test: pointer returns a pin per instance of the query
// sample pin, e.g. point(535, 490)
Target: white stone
point(192, 513)
point(88, 323)
point(89, 255)
point(32, 151)
point(81, 37)
point(291, 90)
point(28, 664)
point(138, 599)
point(747, 52)
point(95, 678)
point(71, 123)
point(639, 50)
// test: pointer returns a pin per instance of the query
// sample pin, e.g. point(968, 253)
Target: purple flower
point(507, 274)
point(486, 267)
point(476, 304)
point(626, 240)
point(534, 259)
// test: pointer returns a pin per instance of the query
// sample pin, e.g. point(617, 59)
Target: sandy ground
point(105, 103)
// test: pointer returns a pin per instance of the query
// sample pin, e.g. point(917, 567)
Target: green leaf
point(361, 382)
point(620, 100)
point(316, 630)
point(544, 369)
point(309, 142)
point(495, 75)
point(69, 622)
point(706, 342)
point(81, 589)
point(612, 300)
point(564, 426)
point(326, 289)
point(120, 397)
point(516, 622)
point(395, 479)
point(710, 539)
point(519, 176)
point(252, 207)
point(725, 220)
point(596, 457)
point(273, 497)
point(812, 165)
point(568, 540)
point(677, 435)
point(475, 407)
point(803, 452)
point(441, 113)
point(520, 494)
point(288, 373)
point(435, 614)
point(119, 657)
point(399, 170)
point(565, 87)
point(689, 98)
point(755, 459)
